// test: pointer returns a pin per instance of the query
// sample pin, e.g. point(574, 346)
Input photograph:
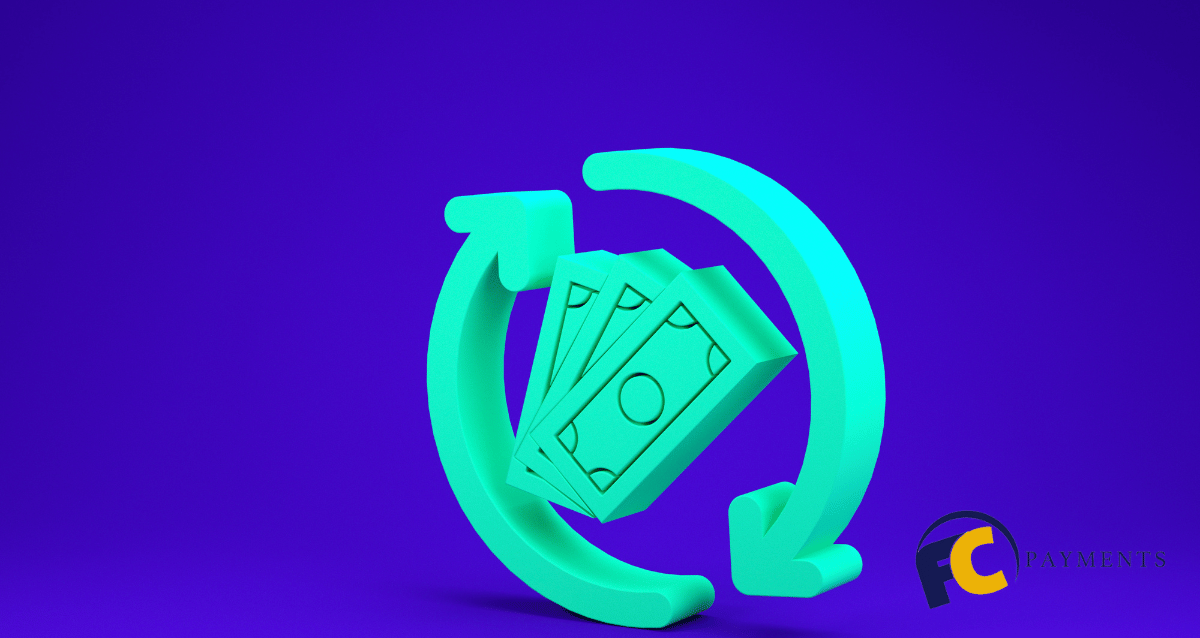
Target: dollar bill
point(635, 281)
point(630, 288)
point(664, 375)
point(573, 291)
point(662, 392)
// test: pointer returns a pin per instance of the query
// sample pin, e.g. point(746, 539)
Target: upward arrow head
point(527, 229)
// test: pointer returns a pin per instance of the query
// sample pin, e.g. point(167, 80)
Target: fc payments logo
point(958, 550)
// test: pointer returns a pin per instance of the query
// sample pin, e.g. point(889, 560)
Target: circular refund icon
point(783, 536)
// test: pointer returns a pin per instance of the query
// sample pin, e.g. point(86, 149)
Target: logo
point(958, 551)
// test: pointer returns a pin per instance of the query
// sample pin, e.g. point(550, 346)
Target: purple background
point(222, 238)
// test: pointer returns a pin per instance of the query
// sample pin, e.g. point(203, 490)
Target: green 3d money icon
point(640, 363)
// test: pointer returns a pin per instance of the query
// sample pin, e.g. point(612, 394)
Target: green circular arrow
point(515, 239)
point(782, 536)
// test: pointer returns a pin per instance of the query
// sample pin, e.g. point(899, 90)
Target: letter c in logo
point(964, 570)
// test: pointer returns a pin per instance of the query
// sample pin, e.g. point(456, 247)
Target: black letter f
point(934, 576)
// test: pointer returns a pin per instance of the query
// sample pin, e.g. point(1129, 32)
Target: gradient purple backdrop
point(222, 239)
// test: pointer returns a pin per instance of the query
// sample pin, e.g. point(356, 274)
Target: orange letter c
point(964, 570)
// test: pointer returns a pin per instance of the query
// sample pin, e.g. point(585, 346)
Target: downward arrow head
point(762, 567)
point(529, 230)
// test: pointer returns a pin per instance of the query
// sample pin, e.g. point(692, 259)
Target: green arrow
point(782, 537)
point(514, 241)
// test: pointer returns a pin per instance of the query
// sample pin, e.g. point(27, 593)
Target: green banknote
point(635, 281)
point(628, 291)
point(662, 392)
point(573, 291)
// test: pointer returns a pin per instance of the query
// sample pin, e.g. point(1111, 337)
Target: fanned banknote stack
point(641, 362)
